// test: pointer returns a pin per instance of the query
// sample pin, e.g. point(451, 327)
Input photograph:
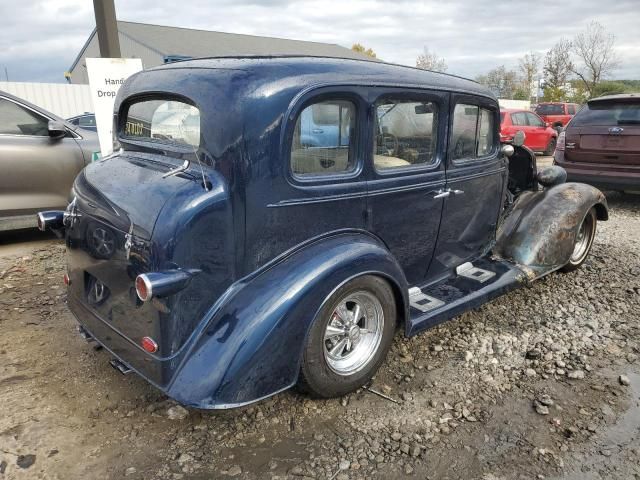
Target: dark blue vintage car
point(225, 254)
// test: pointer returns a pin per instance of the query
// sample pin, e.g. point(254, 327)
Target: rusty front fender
point(539, 232)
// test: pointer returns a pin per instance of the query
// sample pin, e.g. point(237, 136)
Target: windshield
point(167, 121)
point(607, 114)
point(550, 109)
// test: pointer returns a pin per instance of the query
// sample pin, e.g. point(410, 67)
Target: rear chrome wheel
point(353, 333)
point(583, 242)
point(349, 338)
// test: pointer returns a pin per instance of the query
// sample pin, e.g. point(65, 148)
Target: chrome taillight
point(144, 289)
point(162, 284)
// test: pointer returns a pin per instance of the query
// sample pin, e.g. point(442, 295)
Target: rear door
point(537, 132)
point(605, 132)
point(37, 171)
point(407, 174)
point(476, 177)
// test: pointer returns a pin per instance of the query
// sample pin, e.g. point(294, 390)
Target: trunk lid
point(605, 132)
point(111, 240)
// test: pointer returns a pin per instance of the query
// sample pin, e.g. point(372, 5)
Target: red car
point(539, 136)
point(557, 114)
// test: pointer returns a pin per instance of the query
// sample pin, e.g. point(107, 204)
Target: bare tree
point(557, 65)
point(358, 47)
point(502, 82)
point(529, 66)
point(595, 50)
point(431, 61)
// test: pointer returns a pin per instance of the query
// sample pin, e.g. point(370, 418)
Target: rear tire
point(583, 242)
point(349, 338)
point(551, 147)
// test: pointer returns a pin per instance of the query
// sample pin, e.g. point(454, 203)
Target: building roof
point(190, 42)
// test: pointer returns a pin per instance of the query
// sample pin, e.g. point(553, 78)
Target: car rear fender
point(250, 347)
point(539, 232)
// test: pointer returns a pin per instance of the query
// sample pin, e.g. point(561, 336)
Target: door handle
point(442, 193)
point(317, 131)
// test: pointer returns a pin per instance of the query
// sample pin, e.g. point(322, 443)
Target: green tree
point(502, 82)
point(609, 88)
point(557, 66)
point(358, 47)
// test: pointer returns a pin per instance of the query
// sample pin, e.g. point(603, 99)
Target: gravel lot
point(541, 383)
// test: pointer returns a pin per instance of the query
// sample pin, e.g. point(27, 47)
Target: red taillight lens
point(561, 142)
point(143, 288)
point(149, 344)
point(65, 279)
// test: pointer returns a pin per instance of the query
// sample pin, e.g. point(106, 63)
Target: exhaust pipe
point(120, 366)
point(50, 219)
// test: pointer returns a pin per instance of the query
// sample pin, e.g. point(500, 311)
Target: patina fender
point(539, 232)
point(250, 345)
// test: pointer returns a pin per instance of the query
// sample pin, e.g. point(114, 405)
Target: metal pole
point(107, 28)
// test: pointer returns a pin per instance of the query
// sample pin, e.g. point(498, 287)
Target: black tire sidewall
point(317, 378)
point(551, 146)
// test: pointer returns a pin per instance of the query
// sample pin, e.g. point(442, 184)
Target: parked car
point(557, 114)
point(40, 156)
point(539, 136)
point(601, 145)
point(86, 121)
point(228, 266)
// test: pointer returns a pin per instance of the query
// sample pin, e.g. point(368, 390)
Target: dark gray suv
point(40, 156)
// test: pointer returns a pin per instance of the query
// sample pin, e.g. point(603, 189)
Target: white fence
point(520, 104)
point(63, 99)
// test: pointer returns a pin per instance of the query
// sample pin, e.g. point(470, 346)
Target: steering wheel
point(390, 143)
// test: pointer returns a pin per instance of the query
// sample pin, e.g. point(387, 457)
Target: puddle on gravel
point(587, 465)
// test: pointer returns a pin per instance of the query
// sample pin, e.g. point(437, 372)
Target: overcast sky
point(39, 39)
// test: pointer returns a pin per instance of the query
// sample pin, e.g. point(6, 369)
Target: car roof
point(617, 97)
point(515, 110)
point(331, 70)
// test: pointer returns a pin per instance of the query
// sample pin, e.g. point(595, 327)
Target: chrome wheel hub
point(353, 333)
point(583, 240)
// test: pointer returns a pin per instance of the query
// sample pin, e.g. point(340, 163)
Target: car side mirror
point(518, 138)
point(547, 124)
point(56, 129)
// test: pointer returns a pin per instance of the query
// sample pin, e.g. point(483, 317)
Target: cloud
point(44, 36)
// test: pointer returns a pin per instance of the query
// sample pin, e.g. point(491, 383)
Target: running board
point(473, 286)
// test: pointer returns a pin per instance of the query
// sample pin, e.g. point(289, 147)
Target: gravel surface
point(541, 383)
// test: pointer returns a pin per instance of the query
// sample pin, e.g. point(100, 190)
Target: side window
point(472, 135)
point(86, 121)
point(571, 109)
point(17, 120)
point(405, 134)
point(485, 133)
point(323, 139)
point(519, 119)
point(534, 121)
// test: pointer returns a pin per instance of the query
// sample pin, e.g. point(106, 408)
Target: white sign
point(106, 75)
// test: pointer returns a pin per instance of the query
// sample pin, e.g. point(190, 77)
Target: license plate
point(613, 142)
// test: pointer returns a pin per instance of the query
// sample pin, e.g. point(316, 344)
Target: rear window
point(550, 109)
point(166, 121)
point(607, 114)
